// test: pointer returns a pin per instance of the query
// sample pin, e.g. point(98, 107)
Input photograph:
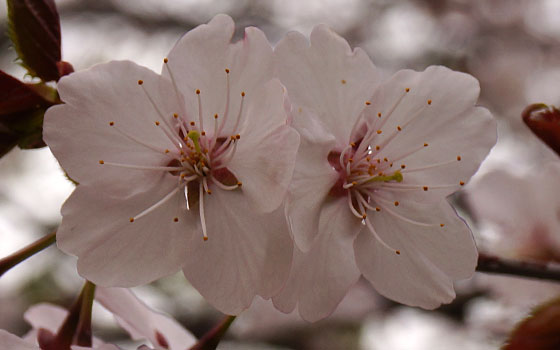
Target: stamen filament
point(145, 167)
point(372, 230)
point(403, 218)
point(140, 142)
point(157, 204)
point(431, 166)
point(201, 211)
point(351, 206)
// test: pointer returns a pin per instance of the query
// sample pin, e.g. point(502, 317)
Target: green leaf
point(539, 331)
point(34, 27)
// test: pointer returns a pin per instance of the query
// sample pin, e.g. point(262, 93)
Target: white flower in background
point(184, 170)
point(522, 211)
point(140, 321)
point(375, 166)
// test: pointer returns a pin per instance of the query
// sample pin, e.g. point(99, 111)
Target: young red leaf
point(544, 121)
point(539, 331)
point(34, 28)
point(16, 96)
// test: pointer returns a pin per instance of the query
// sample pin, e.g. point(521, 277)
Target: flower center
point(198, 160)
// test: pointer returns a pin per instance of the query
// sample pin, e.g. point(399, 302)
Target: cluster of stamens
point(199, 160)
point(364, 171)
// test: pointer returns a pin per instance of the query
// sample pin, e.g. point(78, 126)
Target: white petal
point(13, 342)
point(321, 277)
point(326, 76)
point(141, 322)
point(265, 157)
point(439, 111)
point(430, 259)
point(201, 57)
point(111, 250)
point(245, 254)
point(313, 178)
point(80, 135)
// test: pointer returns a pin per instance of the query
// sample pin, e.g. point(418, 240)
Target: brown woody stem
point(494, 264)
point(12, 260)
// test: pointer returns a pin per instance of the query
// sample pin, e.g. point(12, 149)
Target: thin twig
point(26, 252)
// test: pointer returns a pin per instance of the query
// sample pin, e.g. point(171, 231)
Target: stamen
point(200, 121)
point(431, 166)
point(138, 141)
point(351, 206)
point(178, 95)
point(156, 205)
point(372, 230)
point(226, 112)
point(226, 187)
point(162, 117)
point(240, 112)
point(143, 167)
point(201, 211)
point(341, 158)
point(403, 218)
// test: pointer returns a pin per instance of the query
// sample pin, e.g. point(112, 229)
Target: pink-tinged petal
point(266, 152)
point(46, 316)
point(208, 47)
point(244, 255)
point(13, 342)
point(101, 347)
point(321, 277)
point(432, 133)
point(508, 201)
point(524, 210)
point(327, 76)
point(313, 178)
point(141, 322)
point(112, 250)
point(429, 258)
point(108, 116)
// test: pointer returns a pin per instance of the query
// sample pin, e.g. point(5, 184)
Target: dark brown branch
point(494, 264)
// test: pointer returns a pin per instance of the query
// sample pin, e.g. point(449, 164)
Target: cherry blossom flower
point(184, 170)
point(375, 165)
point(140, 321)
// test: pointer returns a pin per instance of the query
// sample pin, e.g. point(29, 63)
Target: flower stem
point(12, 260)
point(83, 332)
point(494, 264)
point(210, 340)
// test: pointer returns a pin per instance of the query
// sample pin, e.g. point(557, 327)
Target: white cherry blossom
point(187, 169)
point(375, 165)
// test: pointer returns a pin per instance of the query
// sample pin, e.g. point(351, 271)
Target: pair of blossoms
point(135, 317)
point(286, 173)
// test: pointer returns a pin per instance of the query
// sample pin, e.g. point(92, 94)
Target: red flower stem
point(83, 335)
point(12, 260)
point(494, 264)
point(210, 340)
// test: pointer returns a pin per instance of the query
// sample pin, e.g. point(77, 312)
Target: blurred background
point(511, 46)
